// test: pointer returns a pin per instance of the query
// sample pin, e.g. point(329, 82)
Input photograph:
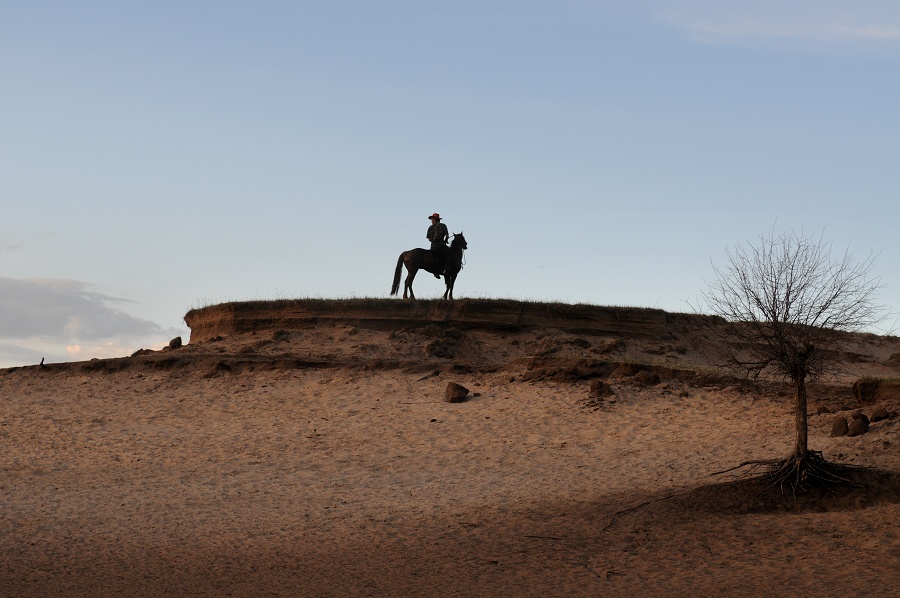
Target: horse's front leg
point(449, 279)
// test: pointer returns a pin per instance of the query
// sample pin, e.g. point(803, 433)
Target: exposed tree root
point(798, 473)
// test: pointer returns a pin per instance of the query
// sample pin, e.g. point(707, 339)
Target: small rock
point(600, 388)
point(822, 409)
point(455, 393)
point(880, 414)
point(858, 426)
point(862, 416)
point(645, 378)
point(175, 343)
point(839, 427)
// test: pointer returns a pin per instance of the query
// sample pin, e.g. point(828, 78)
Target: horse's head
point(459, 241)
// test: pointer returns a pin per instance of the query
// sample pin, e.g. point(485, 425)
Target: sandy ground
point(347, 482)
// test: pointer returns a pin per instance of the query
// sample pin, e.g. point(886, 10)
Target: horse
point(422, 259)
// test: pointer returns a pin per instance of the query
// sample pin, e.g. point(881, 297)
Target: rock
point(645, 378)
point(175, 343)
point(220, 368)
point(860, 415)
point(857, 426)
point(839, 427)
point(600, 389)
point(455, 393)
point(600, 394)
point(880, 414)
point(822, 409)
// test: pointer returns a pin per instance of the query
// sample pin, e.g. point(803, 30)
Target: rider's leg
point(435, 261)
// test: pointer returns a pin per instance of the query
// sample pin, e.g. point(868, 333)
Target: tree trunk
point(801, 448)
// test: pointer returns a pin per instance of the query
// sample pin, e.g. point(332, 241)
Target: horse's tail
point(396, 286)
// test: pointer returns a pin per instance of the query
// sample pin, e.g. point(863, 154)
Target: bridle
point(462, 253)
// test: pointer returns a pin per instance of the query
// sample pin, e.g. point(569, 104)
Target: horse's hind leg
point(407, 285)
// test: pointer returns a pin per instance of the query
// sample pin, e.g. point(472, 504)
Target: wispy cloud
point(66, 320)
point(720, 21)
point(6, 247)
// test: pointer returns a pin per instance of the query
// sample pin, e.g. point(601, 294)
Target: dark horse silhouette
point(421, 259)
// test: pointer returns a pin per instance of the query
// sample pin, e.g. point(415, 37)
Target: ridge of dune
point(389, 314)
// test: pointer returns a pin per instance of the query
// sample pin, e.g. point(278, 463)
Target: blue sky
point(159, 156)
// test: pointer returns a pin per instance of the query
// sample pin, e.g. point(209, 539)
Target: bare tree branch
point(785, 294)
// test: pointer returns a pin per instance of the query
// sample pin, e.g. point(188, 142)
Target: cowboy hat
point(435, 215)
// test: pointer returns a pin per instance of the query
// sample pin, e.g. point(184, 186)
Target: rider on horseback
point(438, 235)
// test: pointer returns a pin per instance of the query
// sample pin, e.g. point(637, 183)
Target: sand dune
point(315, 455)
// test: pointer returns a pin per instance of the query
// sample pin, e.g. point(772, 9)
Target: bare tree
point(786, 302)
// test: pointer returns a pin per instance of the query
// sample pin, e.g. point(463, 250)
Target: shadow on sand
point(865, 487)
